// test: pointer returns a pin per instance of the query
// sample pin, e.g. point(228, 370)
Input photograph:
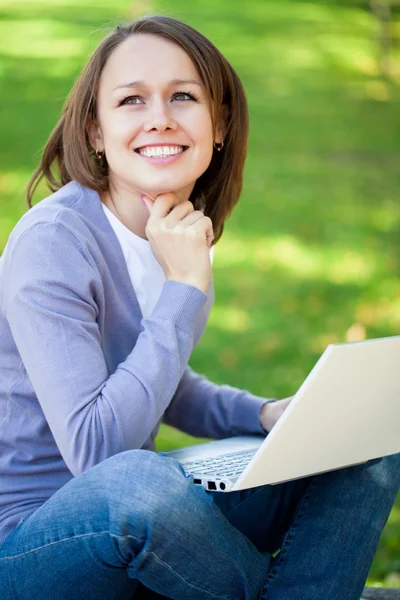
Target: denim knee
point(385, 472)
point(378, 482)
point(139, 486)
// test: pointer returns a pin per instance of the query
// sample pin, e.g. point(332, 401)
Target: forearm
point(205, 409)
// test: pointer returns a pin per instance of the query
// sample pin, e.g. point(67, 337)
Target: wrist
point(267, 419)
point(194, 283)
point(272, 411)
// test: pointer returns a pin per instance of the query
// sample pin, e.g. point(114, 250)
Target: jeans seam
point(287, 540)
point(10, 558)
point(186, 582)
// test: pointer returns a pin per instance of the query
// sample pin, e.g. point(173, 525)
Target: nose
point(159, 118)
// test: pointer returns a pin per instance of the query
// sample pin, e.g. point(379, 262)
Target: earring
point(99, 153)
point(218, 146)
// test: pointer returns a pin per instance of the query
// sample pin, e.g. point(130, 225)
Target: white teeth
point(160, 151)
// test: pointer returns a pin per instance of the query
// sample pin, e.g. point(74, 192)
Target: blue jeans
point(135, 521)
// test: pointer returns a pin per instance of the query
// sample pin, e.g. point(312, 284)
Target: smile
point(160, 151)
point(161, 155)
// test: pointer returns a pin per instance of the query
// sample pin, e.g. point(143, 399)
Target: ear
point(95, 136)
point(221, 125)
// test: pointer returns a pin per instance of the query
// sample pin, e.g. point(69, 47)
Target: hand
point(271, 412)
point(180, 238)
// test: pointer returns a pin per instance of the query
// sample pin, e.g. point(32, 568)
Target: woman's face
point(153, 121)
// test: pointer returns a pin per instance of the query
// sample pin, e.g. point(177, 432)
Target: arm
point(205, 409)
point(50, 288)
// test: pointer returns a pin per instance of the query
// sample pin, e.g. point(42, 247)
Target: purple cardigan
point(83, 375)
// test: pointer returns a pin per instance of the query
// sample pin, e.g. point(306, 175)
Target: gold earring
point(218, 146)
point(99, 153)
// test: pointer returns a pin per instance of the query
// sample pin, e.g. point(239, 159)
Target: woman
point(106, 289)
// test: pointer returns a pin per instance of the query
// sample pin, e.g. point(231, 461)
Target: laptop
point(346, 412)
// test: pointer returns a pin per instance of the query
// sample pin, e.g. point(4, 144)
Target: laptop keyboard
point(226, 465)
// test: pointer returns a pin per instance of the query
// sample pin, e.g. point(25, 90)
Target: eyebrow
point(141, 83)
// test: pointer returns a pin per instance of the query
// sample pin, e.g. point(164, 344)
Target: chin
point(167, 185)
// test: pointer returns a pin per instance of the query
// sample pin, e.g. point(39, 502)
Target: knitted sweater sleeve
point(203, 408)
point(50, 304)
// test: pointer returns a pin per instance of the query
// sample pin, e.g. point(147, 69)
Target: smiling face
point(154, 121)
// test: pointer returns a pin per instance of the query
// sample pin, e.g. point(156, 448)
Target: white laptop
point(346, 412)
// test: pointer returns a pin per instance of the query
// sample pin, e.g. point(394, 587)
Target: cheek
point(201, 159)
point(119, 130)
point(205, 149)
point(204, 144)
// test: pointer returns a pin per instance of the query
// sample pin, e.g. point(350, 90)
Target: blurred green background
point(311, 253)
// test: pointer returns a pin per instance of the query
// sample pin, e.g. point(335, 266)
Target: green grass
point(310, 255)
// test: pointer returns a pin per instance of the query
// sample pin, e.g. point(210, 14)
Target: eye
point(125, 100)
point(190, 96)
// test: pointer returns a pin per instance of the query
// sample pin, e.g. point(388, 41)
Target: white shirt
point(144, 270)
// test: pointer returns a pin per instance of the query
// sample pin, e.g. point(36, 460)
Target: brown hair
point(69, 149)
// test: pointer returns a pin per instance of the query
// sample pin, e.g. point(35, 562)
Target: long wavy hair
point(68, 154)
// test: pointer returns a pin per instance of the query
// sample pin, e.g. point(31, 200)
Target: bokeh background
point(311, 253)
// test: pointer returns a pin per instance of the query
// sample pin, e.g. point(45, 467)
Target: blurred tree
point(382, 11)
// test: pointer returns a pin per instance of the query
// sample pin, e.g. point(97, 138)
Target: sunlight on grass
point(13, 181)
point(395, 515)
point(337, 265)
point(12, 205)
point(382, 312)
point(377, 90)
point(348, 55)
point(392, 580)
point(355, 333)
point(12, 189)
point(276, 13)
point(229, 318)
point(318, 53)
point(12, 192)
point(299, 56)
point(40, 38)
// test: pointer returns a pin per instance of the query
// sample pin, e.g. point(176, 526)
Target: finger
point(210, 238)
point(204, 228)
point(179, 213)
point(192, 217)
point(147, 203)
point(163, 205)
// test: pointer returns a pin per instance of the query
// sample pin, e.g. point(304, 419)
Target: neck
point(128, 209)
point(127, 206)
